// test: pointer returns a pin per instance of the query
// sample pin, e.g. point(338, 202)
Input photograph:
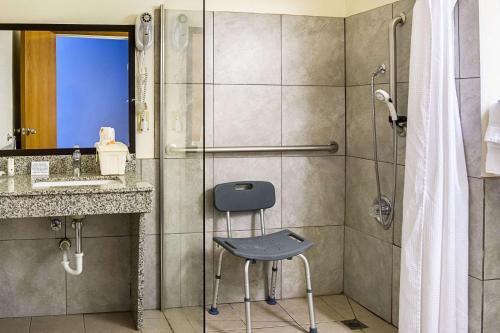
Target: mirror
point(60, 84)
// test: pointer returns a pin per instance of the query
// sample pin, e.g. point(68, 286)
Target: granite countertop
point(22, 185)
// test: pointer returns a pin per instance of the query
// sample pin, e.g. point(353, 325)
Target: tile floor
point(289, 316)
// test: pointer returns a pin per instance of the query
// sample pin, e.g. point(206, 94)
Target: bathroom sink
point(73, 183)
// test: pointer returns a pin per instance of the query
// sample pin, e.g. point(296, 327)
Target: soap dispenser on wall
point(144, 40)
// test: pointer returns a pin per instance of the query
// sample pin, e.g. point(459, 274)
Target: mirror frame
point(130, 29)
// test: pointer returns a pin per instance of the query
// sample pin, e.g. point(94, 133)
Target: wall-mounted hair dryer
point(383, 96)
point(143, 41)
point(144, 31)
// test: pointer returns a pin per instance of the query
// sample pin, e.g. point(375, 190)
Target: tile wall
point(371, 270)
point(271, 80)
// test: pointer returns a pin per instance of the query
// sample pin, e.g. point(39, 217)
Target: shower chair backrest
point(244, 196)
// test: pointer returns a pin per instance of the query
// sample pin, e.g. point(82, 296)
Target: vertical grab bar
point(401, 19)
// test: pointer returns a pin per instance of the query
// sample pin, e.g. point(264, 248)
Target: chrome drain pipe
point(65, 245)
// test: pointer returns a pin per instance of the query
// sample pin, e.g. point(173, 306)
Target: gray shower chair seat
point(277, 246)
point(248, 196)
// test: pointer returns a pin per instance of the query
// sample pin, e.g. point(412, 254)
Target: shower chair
point(248, 196)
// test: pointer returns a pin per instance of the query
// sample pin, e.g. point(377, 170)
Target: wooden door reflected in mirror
point(38, 90)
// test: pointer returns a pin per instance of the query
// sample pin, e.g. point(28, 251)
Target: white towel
point(492, 140)
point(106, 135)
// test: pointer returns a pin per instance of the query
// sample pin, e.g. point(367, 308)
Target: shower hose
point(384, 212)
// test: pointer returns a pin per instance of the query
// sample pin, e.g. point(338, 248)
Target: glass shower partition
point(185, 240)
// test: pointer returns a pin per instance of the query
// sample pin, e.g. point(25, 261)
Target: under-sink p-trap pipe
point(65, 245)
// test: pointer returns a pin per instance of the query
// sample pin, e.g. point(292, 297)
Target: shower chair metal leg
point(309, 295)
point(271, 296)
point(247, 298)
point(213, 309)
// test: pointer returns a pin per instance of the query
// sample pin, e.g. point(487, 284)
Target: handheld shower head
point(383, 96)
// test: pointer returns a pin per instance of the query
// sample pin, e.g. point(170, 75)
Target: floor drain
point(354, 324)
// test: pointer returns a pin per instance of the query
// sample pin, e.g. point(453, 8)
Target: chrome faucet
point(77, 161)
point(13, 139)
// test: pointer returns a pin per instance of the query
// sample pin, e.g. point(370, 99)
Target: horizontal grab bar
point(333, 147)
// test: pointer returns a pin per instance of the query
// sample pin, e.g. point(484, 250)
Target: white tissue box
point(112, 158)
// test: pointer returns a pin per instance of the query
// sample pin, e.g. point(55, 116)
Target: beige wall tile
point(184, 59)
point(368, 272)
point(314, 116)
point(247, 48)
point(313, 191)
point(191, 271)
point(469, 38)
point(183, 268)
point(491, 306)
point(470, 116)
point(325, 260)
point(402, 108)
point(209, 115)
point(104, 285)
point(313, 50)
point(33, 281)
point(247, 115)
point(476, 232)
point(30, 228)
point(367, 45)
point(209, 47)
point(171, 283)
point(396, 271)
point(183, 123)
point(492, 229)
point(184, 194)
point(403, 38)
point(475, 305)
point(398, 213)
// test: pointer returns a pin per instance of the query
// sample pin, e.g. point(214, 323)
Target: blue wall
point(92, 89)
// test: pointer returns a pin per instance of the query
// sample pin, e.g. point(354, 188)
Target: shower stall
point(291, 100)
point(230, 114)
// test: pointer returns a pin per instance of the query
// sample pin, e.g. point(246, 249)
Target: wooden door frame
point(130, 29)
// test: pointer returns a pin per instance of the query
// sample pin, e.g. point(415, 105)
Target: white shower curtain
point(434, 254)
